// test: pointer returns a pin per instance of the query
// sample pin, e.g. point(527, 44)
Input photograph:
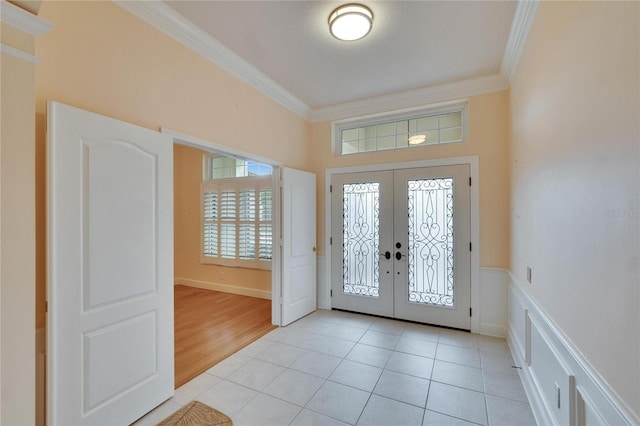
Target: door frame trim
point(324, 287)
point(276, 261)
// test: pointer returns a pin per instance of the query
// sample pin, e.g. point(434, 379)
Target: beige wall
point(17, 232)
point(101, 58)
point(488, 139)
point(187, 175)
point(575, 189)
point(572, 196)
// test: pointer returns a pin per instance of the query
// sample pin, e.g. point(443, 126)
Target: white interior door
point(110, 269)
point(400, 244)
point(298, 244)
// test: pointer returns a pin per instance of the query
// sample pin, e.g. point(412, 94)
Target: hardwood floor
point(210, 326)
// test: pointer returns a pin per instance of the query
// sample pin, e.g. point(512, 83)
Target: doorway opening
point(223, 245)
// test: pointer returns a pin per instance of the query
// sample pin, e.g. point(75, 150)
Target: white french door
point(401, 244)
point(362, 242)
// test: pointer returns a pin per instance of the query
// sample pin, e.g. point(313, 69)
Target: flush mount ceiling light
point(350, 22)
point(417, 139)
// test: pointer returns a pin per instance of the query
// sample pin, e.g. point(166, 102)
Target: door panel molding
point(109, 268)
point(324, 287)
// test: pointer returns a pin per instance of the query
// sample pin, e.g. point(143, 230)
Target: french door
point(401, 244)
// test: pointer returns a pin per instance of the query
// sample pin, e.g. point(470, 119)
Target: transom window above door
point(403, 129)
point(236, 214)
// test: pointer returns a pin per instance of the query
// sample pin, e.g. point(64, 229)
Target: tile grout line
point(394, 350)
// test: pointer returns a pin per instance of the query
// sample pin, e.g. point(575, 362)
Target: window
point(237, 204)
point(401, 130)
point(216, 167)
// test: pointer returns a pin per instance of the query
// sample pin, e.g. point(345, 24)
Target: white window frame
point(337, 127)
point(256, 183)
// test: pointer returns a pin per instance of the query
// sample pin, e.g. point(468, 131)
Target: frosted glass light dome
point(350, 22)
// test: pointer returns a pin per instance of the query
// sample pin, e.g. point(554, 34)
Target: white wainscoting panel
point(562, 387)
point(493, 301)
point(226, 288)
point(492, 308)
point(323, 285)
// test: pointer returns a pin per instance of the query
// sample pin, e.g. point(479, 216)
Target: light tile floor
point(337, 368)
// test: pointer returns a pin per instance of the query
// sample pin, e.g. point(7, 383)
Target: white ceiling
point(413, 44)
point(418, 53)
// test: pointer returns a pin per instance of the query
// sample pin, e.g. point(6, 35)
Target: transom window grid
point(237, 222)
point(216, 167)
point(415, 130)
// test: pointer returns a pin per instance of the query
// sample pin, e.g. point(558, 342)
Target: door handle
point(386, 254)
point(399, 255)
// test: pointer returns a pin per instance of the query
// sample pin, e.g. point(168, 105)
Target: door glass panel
point(360, 238)
point(430, 248)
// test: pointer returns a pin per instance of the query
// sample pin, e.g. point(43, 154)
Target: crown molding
point(19, 18)
point(28, 57)
point(176, 26)
point(170, 22)
point(426, 95)
point(520, 26)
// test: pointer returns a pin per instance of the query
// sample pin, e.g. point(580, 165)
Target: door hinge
point(470, 247)
point(330, 293)
point(330, 241)
point(469, 180)
point(46, 306)
point(330, 188)
point(470, 312)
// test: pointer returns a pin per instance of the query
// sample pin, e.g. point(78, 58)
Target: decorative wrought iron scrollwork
point(430, 249)
point(360, 238)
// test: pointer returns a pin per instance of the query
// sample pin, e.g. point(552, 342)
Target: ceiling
point(413, 44)
point(415, 50)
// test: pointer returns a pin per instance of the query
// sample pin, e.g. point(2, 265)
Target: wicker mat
point(196, 414)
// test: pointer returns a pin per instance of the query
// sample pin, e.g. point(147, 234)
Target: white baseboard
point(549, 361)
point(493, 301)
point(226, 288)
